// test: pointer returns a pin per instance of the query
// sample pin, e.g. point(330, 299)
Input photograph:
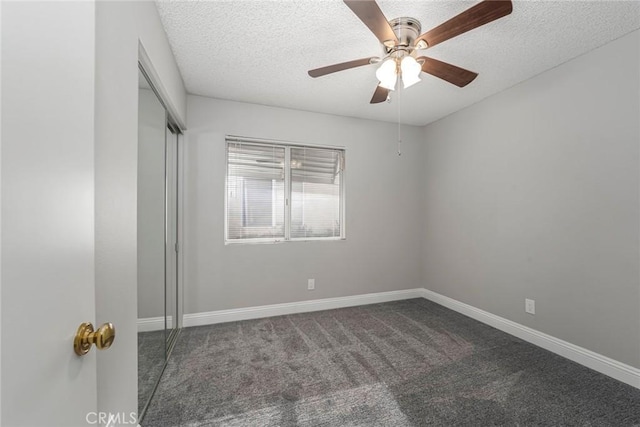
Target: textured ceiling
point(260, 51)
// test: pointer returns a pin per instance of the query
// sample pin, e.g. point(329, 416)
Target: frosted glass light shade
point(410, 71)
point(387, 75)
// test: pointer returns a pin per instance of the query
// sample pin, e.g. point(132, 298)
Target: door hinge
point(177, 248)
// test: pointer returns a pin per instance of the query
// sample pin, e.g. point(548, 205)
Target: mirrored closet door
point(158, 140)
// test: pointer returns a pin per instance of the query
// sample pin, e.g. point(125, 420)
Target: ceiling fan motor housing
point(407, 31)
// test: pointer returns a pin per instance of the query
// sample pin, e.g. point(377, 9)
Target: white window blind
point(255, 191)
point(283, 192)
point(315, 192)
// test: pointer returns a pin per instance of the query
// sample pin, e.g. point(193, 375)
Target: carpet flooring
point(151, 356)
point(403, 363)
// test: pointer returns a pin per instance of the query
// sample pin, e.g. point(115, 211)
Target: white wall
point(120, 26)
point(383, 211)
point(167, 78)
point(534, 193)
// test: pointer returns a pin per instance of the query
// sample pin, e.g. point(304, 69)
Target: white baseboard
point(607, 366)
point(149, 324)
point(222, 316)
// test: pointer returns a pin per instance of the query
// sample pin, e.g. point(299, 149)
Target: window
point(277, 192)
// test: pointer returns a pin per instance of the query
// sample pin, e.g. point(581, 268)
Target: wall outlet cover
point(311, 284)
point(530, 306)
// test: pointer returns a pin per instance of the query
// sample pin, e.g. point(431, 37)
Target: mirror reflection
point(157, 238)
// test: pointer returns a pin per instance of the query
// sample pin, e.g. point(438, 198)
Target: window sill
point(263, 242)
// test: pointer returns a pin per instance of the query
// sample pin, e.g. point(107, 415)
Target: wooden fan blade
point(455, 75)
point(339, 67)
point(380, 95)
point(474, 17)
point(370, 14)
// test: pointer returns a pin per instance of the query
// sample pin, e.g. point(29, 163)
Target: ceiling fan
point(401, 40)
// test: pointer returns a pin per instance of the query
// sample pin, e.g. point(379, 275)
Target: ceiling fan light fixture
point(401, 38)
point(411, 70)
point(387, 74)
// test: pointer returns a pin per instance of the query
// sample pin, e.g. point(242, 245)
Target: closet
point(158, 274)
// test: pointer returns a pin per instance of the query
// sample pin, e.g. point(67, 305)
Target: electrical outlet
point(311, 284)
point(530, 306)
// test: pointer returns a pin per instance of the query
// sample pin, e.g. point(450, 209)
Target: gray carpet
point(151, 355)
point(404, 363)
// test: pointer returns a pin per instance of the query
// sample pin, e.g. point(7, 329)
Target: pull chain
point(399, 127)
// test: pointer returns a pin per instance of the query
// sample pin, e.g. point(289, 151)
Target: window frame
point(287, 190)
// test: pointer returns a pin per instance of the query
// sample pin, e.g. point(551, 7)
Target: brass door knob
point(102, 338)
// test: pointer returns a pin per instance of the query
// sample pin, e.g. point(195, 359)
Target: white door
point(49, 243)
